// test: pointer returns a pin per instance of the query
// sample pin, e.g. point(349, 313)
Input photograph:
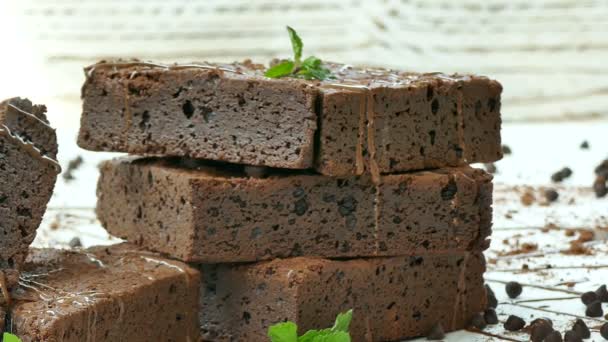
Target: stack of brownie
point(301, 199)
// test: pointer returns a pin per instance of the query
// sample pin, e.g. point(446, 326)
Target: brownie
point(392, 298)
point(116, 293)
point(28, 170)
point(209, 212)
point(363, 120)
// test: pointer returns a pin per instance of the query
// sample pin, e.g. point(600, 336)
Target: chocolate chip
point(506, 150)
point(540, 330)
point(75, 242)
point(599, 186)
point(572, 336)
point(554, 336)
point(604, 331)
point(594, 309)
point(551, 195)
point(490, 167)
point(542, 320)
point(602, 294)
point(514, 323)
point(491, 297)
point(301, 206)
point(513, 289)
point(585, 145)
point(490, 316)
point(588, 297)
point(436, 332)
point(478, 321)
point(581, 329)
point(602, 169)
point(561, 174)
point(449, 191)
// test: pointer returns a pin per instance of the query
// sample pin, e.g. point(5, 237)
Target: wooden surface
point(549, 54)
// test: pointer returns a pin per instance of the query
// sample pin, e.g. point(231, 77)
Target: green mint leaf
point(311, 62)
point(283, 332)
point(335, 336)
point(311, 334)
point(296, 45)
point(343, 321)
point(10, 338)
point(280, 70)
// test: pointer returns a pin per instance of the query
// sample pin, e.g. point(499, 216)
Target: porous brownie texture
point(116, 293)
point(28, 170)
point(207, 212)
point(362, 121)
point(392, 298)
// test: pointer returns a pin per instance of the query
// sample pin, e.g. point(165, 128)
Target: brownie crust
point(392, 298)
point(211, 213)
point(365, 120)
point(116, 293)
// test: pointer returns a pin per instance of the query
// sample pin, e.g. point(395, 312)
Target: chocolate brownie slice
point(116, 293)
point(28, 170)
point(207, 212)
point(392, 298)
point(375, 120)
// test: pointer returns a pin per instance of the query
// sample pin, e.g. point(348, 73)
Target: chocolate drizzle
point(131, 64)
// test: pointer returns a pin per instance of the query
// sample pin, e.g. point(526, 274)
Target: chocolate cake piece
point(363, 120)
point(392, 298)
point(207, 212)
point(28, 170)
point(116, 293)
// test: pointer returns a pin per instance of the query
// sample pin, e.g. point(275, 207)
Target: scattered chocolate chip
point(585, 145)
point(436, 332)
point(594, 309)
point(513, 289)
point(572, 336)
point(581, 329)
point(551, 195)
point(588, 297)
point(478, 321)
point(490, 316)
point(540, 330)
point(604, 331)
point(542, 320)
point(602, 294)
point(554, 336)
point(561, 174)
point(73, 165)
point(506, 150)
point(492, 301)
point(600, 187)
point(514, 323)
point(602, 169)
point(75, 242)
point(490, 167)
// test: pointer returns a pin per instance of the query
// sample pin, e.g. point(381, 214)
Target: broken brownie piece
point(364, 120)
point(28, 170)
point(207, 212)
point(116, 293)
point(392, 298)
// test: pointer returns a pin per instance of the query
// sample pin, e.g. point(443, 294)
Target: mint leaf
point(10, 338)
point(296, 45)
point(336, 336)
point(283, 332)
point(282, 69)
point(343, 321)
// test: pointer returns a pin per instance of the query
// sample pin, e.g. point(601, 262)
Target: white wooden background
point(551, 55)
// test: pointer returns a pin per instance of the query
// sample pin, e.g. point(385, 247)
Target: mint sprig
point(287, 331)
point(311, 68)
point(10, 338)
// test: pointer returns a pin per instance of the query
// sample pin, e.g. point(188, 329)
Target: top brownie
point(363, 120)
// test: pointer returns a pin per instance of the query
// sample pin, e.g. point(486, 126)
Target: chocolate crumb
point(491, 297)
point(604, 331)
point(478, 321)
point(527, 198)
point(73, 165)
point(541, 328)
point(602, 168)
point(490, 316)
point(600, 187)
point(436, 333)
point(572, 336)
point(594, 309)
point(554, 336)
point(513, 289)
point(506, 150)
point(551, 195)
point(490, 167)
point(514, 323)
point(562, 174)
point(581, 329)
point(75, 242)
point(588, 297)
point(584, 145)
point(602, 294)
